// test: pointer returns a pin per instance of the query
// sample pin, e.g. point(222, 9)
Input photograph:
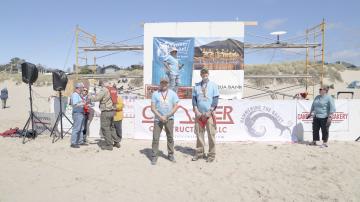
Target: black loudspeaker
point(29, 72)
point(59, 80)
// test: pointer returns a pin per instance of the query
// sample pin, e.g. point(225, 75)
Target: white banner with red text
point(235, 121)
point(340, 120)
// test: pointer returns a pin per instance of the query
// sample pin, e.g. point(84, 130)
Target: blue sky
point(41, 31)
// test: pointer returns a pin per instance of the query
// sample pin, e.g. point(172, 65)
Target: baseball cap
point(164, 79)
point(79, 85)
point(204, 71)
point(172, 49)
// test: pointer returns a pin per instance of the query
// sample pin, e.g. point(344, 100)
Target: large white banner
point(340, 122)
point(218, 46)
point(235, 120)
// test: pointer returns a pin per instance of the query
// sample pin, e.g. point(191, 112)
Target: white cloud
point(274, 23)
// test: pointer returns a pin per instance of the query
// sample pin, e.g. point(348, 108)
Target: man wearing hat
point(164, 104)
point(78, 116)
point(205, 100)
point(107, 108)
point(172, 69)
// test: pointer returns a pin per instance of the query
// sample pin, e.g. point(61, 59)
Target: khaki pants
point(107, 128)
point(169, 129)
point(200, 142)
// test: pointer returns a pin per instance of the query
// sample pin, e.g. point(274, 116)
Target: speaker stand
point(59, 117)
point(31, 121)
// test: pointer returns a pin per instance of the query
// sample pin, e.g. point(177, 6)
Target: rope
point(69, 50)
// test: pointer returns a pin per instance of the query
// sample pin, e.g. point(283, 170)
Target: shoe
point(313, 143)
point(74, 146)
point(117, 144)
point(84, 144)
point(171, 158)
point(110, 148)
point(197, 157)
point(210, 159)
point(154, 160)
point(324, 145)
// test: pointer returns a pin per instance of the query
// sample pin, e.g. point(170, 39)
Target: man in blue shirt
point(164, 104)
point(78, 116)
point(205, 100)
point(172, 69)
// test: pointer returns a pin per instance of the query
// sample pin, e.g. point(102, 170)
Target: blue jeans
point(77, 132)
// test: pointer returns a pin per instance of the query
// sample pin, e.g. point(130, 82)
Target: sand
point(44, 171)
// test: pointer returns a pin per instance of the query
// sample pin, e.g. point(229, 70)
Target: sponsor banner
point(267, 121)
point(177, 67)
point(218, 45)
point(235, 120)
point(340, 123)
point(230, 82)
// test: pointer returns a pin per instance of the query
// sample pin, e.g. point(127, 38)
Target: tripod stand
point(59, 117)
point(31, 133)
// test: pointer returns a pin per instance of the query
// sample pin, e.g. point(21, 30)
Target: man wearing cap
point(204, 101)
point(78, 116)
point(107, 109)
point(172, 69)
point(164, 104)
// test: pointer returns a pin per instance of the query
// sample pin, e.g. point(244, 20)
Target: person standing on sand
point(205, 100)
point(322, 109)
point(78, 117)
point(119, 117)
point(164, 104)
point(4, 96)
point(107, 108)
point(88, 113)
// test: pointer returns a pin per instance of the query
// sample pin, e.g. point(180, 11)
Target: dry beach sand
point(44, 171)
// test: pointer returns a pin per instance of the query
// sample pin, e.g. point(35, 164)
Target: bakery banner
point(235, 121)
point(340, 122)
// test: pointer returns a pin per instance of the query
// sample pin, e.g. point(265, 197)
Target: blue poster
point(173, 58)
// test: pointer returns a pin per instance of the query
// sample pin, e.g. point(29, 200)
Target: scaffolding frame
point(311, 42)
